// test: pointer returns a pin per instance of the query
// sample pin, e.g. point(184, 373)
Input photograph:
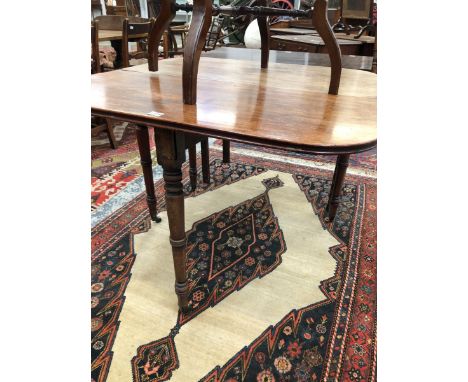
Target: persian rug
point(276, 293)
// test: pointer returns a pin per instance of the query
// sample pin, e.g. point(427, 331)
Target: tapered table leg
point(205, 154)
point(170, 150)
point(146, 164)
point(337, 183)
point(193, 166)
point(226, 151)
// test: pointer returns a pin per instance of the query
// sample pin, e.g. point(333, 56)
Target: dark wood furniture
point(99, 124)
point(312, 43)
point(124, 8)
point(203, 10)
point(137, 30)
point(311, 120)
point(111, 29)
point(352, 12)
point(95, 61)
point(116, 10)
point(172, 32)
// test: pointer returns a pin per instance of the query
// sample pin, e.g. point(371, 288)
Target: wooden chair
point(135, 29)
point(214, 33)
point(172, 32)
point(110, 22)
point(99, 124)
point(132, 6)
point(352, 12)
point(95, 61)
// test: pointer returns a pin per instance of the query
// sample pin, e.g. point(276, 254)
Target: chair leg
point(205, 154)
point(147, 166)
point(337, 183)
point(193, 166)
point(110, 133)
point(226, 151)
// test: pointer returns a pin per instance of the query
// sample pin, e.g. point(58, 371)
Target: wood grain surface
point(284, 106)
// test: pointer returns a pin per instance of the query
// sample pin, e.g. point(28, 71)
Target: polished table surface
point(284, 106)
point(288, 57)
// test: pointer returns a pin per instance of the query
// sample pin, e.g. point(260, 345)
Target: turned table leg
point(337, 183)
point(205, 154)
point(170, 150)
point(193, 166)
point(146, 164)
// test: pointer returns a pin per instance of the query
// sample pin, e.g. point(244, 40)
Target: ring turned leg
point(205, 153)
point(226, 151)
point(175, 212)
point(146, 164)
point(337, 183)
point(170, 150)
point(193, 166)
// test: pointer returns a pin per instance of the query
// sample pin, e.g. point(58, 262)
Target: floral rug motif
point(228, 249)
point(333, 340)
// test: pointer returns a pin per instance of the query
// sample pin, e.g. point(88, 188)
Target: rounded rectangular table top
point(285, 106)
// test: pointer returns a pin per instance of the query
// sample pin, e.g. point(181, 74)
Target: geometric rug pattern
point(326, 333)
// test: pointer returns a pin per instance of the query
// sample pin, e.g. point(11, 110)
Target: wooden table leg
point(193, 166)
point(170, 151)
point(205, 154)
point(226, 151)
point(146, 164)
point(337, 183)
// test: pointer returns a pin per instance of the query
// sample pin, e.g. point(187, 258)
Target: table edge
point(186, 128)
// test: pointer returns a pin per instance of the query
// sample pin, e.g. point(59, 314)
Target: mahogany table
point(238, 101)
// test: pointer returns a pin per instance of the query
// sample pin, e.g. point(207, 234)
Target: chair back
point(112, 22)
point(136, 26)
point(135, 29)
point(96, 64)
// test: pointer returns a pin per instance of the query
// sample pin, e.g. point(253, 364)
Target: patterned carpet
point(276, 294)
